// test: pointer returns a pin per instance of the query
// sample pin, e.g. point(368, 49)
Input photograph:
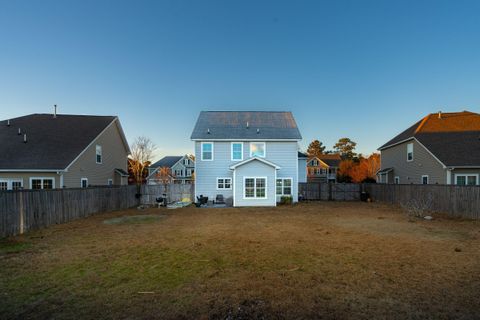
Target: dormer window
point(410, 152)
point(257, 149)
point(98, 154)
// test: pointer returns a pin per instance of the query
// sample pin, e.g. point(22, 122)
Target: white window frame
point(315, 163)
point(396, 180)
point(255, 188)
point(201, 150)
point(425, 176)
point(264, 149)
point(98, 152)
point(81, 182)
point(224, 178)
point(180, 171)
point(10, 182)
point(42, 179)
point(110, 182)
point(231, 151)
point(283, 187)
point(466, 175)
point(6, 182)
point(408, 152)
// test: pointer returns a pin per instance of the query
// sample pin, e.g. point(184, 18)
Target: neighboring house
point(182, 169)
point(48, 151)
point(441, 148)
point(302, 167)
point(323, 168)
point(250, 157)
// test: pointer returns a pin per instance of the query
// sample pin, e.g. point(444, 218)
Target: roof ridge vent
point(440, 114)
point(8, 123)
point(54, 110)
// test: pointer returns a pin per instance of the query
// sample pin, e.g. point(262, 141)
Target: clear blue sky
point(361, 69)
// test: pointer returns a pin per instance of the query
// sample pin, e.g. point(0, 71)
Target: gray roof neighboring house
point(302, 155)
point(245, 125)
point(167, 161)
point(53, 143)
point(453, 137)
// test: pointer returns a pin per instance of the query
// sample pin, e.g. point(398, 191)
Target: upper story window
point(424, 179)
point(315, 163)
point(207, 151)
point(410, 152)
point(84, 183)
point(186, 162)
point(98, 153)
point(237, 151)
point(257, 149)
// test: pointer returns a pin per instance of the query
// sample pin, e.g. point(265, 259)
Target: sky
point(366, 70)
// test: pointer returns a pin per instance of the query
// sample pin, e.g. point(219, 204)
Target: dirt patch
point(315, 260)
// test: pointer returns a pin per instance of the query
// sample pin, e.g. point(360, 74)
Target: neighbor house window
point(224, 183)
point(178, 172)
point(424, 179)
point(315, 163)
point(42, 183)
point(257, 149)
point(410, 152)
point(83, 182)
point(98, 153)
point(397, 180)
point(255, 188)
point(284, 187)
point(237, 151)
point(11, 184)
point(110, 182)
point(3, 185)
point(207, 151)
point(466, 179)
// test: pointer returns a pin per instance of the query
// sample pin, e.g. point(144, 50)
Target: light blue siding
point(302, 170)
point(254, 169)
point(281, 153)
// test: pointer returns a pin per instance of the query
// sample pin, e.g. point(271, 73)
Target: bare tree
point(142, 150)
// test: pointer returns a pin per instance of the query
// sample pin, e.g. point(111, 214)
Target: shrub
point(286, 200)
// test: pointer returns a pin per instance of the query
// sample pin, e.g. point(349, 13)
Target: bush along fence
point(456, 201)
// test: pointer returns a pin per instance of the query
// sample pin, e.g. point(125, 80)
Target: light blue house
point(249, 157)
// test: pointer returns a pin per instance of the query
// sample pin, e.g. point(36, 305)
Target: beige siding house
point(48, 151)
point(441, 148)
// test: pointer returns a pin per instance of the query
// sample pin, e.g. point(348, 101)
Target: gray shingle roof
point(167, 161)
point(52, 143)
point(262, 125)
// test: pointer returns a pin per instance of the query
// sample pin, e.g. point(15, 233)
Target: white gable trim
point(252, 159)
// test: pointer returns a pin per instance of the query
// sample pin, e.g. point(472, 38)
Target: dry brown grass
point(314, 260)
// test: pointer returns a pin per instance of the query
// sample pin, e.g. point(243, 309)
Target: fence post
point(22, 214)
point(330, 196)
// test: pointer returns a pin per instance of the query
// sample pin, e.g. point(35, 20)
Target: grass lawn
point(315, 260)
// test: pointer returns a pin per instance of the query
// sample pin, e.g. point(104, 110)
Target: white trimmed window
point(425, 179)
point(224, 183)
point(83, 183)
point(284, 187)
point(110, 182)
point(11, 184)
point(258, 149)
point(178, 172)
point(397, 180)
point(255, 188)
point(207, 151)
point(42, 183)
point(237, 151)
point(315, 162)
point(98, 153)
point(410, 152)
point(466, 179)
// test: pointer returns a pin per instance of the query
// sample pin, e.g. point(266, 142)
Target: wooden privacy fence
point(175, 192)
point(25, 210)
point(456, 201)
point(329, 191)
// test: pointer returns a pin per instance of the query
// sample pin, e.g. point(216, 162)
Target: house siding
point(302, 170)
point(411, 171)
point(254, 169)
point(114, 155)
point(283, 154)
